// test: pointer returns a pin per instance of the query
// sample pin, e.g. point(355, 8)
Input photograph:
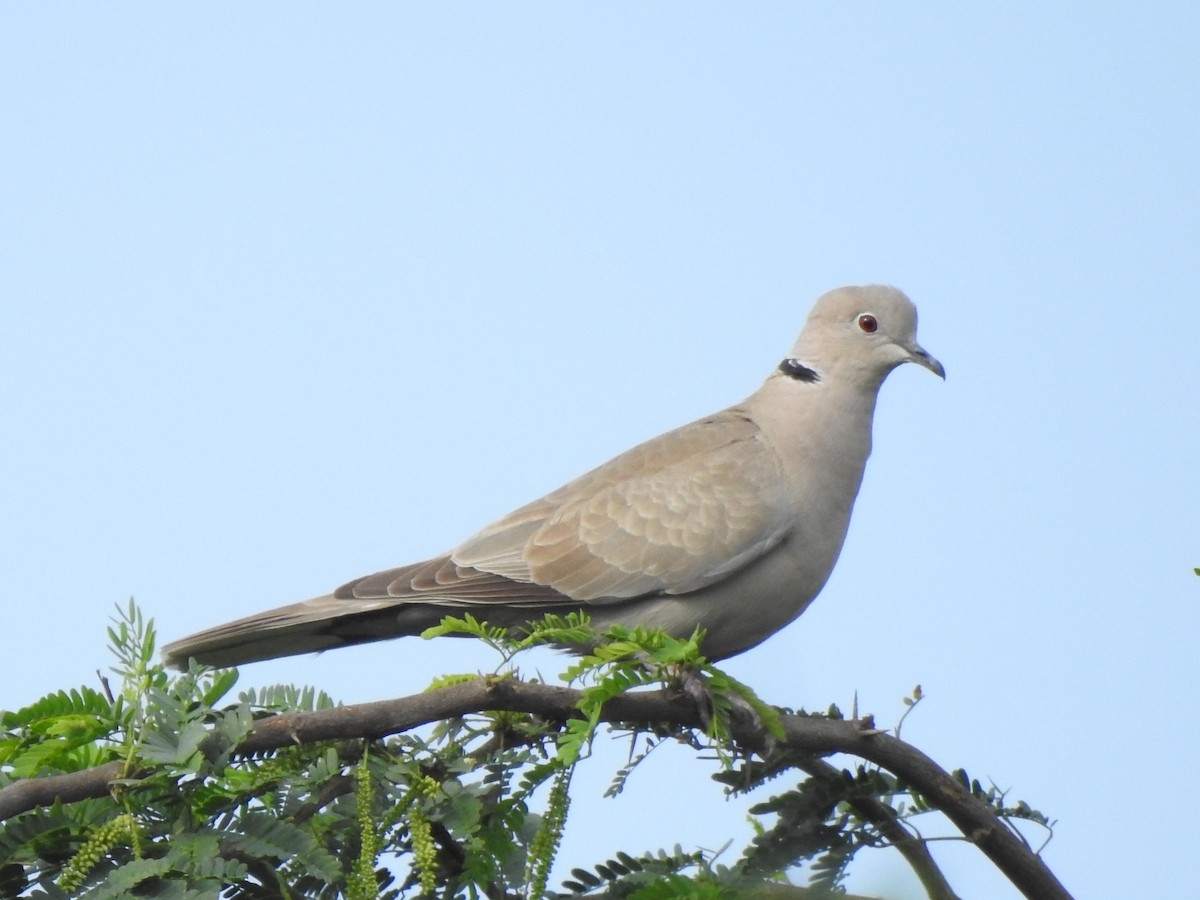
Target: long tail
point(322, 623)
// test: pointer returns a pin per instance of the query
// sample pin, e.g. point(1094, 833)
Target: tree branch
point(32, 793)
point(809, 735)
point(914, 850)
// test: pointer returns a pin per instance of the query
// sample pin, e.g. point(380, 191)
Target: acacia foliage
point(473, 806)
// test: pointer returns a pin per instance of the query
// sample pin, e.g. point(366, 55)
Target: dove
point(732, 523)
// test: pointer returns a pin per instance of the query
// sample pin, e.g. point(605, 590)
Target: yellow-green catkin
point(424, 851)
point(421, 831)
point(544, 846)
point(361, 883)
point(122, 829)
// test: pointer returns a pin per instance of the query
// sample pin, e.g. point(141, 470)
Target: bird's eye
point(868, 323)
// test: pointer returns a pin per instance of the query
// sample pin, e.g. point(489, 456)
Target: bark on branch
point(808, 735)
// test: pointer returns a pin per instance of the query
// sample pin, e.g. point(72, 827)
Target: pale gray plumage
point(732, 523)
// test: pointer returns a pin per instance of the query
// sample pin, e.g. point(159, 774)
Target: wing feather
point(671, 515)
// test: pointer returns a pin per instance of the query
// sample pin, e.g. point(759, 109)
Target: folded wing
point(670, 516)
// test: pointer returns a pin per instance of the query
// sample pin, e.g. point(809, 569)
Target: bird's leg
point(744, 719)
point(694, 686)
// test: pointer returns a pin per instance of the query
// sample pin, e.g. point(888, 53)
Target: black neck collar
point(797, 370)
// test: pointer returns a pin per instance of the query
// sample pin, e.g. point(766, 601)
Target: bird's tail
point(322, 623)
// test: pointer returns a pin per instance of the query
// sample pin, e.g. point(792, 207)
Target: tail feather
point(322, 623)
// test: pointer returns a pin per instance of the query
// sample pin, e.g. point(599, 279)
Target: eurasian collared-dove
point(732, 523)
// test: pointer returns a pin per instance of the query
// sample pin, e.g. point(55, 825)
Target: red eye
point(868, 323)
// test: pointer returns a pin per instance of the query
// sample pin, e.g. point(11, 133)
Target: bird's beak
point(918, 354)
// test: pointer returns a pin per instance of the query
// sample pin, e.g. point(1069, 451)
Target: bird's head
point(860, 333)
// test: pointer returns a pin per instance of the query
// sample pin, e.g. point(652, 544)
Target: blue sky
point(293, 293)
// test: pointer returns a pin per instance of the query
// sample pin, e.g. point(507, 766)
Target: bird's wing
point(672, 515)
